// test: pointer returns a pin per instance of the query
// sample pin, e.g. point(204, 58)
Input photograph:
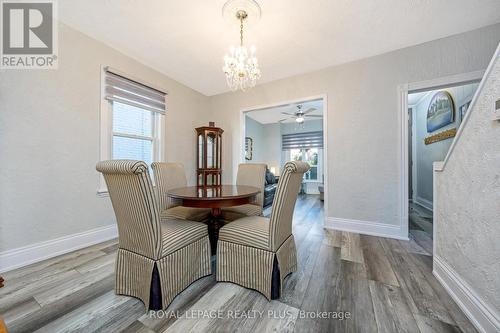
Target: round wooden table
point(215, 198)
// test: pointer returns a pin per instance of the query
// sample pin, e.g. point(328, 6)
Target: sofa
point(270, 188)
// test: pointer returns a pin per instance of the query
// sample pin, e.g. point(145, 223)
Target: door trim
point(403, 90)
point(323, 97)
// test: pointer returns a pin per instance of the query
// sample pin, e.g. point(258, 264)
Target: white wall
point(266, 142)
point(427, 154)
point(272, 139)
point(467, 212)
point(49, 140)
point(255, 130)
point(363, 118)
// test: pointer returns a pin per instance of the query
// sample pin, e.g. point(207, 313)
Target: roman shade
point(302, 140)
point(118, 88)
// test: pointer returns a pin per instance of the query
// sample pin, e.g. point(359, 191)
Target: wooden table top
point(213, 192)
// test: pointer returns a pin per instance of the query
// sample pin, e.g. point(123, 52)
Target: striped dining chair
point(156, 260)
point(249, 174)
point(169, 176)
point(257, 252)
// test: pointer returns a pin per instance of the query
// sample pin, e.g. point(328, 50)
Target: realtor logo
point(29, 34)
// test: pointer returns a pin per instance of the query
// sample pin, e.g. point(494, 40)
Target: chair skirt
point(134, 272)
point(252, 267)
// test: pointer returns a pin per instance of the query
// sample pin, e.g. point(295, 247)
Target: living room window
point(132, 118)
point(306, 147)
point(311, 156)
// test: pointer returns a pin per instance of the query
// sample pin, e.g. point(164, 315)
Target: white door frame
point(403, 90)
point(324, 98)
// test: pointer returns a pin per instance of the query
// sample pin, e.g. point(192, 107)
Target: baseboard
point(425, 203)
point(312, 192)
point(484, 318)
point(366, 227)
point(30, 254)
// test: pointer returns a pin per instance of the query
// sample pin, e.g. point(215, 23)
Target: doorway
point(434, 115)
point(291, 130)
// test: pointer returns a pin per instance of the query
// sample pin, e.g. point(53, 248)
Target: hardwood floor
point(385, 285)
point(420, 228)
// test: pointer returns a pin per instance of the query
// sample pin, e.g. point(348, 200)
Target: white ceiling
point(274, 115)
point(186, 40)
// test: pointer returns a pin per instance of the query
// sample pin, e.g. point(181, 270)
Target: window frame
point(319, 167)
point(107, 133)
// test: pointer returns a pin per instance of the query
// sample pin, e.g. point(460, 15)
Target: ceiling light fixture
point(299, 120)
point(241, 67)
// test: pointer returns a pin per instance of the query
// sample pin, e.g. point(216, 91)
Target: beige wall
point(363, 120)
point(49, 140)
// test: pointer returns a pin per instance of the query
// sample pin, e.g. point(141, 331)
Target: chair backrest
point(135, 206)
point(253, 174)
point(168, 176)
point(284, 202)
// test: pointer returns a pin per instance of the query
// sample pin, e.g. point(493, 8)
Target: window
point(306, 147)
point(131, 120)
point(312, 157)
point(133, 133)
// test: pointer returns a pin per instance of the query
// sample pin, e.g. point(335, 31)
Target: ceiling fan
point(300, 115)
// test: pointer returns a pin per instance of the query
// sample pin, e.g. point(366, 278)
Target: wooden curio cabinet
point(209, 155)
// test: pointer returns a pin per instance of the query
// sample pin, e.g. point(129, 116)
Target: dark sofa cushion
point(270, 189)
point(270, 178)
point(269, 192)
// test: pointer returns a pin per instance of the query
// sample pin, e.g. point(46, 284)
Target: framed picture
point(463, 110)
point(441, 111)
point(248, 148)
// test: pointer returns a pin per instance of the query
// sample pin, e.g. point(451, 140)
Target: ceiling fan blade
point(288, 114)
point(282, 120)
point(313, 116)
point(309, 110)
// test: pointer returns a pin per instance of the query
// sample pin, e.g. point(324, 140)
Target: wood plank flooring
point(384, 285)
point(420, 227)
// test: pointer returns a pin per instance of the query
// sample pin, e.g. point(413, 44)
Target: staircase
point(467, 209)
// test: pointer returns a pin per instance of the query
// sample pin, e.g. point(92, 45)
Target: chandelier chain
point(241, 31)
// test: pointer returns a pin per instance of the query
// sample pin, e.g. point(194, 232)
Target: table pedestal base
point(214, 225)
point(214, 197)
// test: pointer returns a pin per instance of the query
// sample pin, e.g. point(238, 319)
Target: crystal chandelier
point(240, 65)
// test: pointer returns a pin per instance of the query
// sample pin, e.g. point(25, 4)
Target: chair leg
point(155, 300)
point(275, 280)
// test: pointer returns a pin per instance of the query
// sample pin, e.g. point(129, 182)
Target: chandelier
point(241, 66)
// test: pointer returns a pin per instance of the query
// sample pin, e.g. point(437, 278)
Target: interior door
point(410, 153)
